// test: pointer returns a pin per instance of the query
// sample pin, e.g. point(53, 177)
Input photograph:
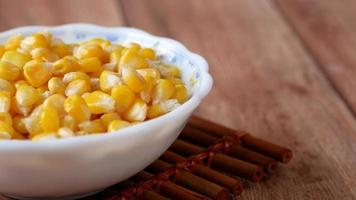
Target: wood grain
point(16, 13)
point(265, 83)
point(328, 30)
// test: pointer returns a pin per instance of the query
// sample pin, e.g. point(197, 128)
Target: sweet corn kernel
point(181, 93)
point(13, 42)
point(146, 93)
point(44, 54)
point(149, 72)
point(69, 122)
point(20, 82)
point(98, 41)
point(32, 122)
point(19, 125)
point(6, 117)
point(169, 71)
point(9, 71)
point(56, 101)
point(15, 108)
point(15, 58)
point(56, 86)
point(133, 79)
point(132, 59)
point(36, 73)
point(147, 53)
point(163, 90)
point(77, 108)
point(72, 76)
point(45, 137)
point(33, 41)
point(100, 102)
point(176, 81)
point(109, 67)
point(134, 46)
point(49, 119)
point(115, 56)
point(117, 125)
point(137, 112)
point(5, 101)
point(94, 126)
point(78, 86)
point(6, 131)
point(162, 108)
point(60, 48)
point(107, 118)
point(65, 65)
point(123, 96)
point(108, 80)
point(90, 51)
point(27, 95)
point(89, 65)
point(6, 86)
point(65, 132)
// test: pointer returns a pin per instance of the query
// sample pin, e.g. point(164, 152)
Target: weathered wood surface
point(266, 80)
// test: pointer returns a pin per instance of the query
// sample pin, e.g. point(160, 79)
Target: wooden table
point(283, 70)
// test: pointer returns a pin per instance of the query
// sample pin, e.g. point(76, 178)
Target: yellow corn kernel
point(109, 67)
point(13, 42)
point(65, 132)
point(6, 117)
point(132, 59)
point(18, 109)
point(95, 83)
point(6, 131)
point(56, 86)
point(98, 41)
point(163, 90)
point(90, 51)
point(162, 108)
point(56, 102)
point(15, 58)
point(19, 125)
point(89, 65)
point(65, 65)
point(45, 137)
point(9, 71)
point(18, 136)
point(169, 71)
point(20, 82)
point(72, 76)
point(94, 126)
point(100, 102)
point(5, 101)
point(36, 73)
point(77, 87)
point(6, 86)
point(108, 80)
point(107, 118)
point(146, 93)
point(36, 40)
point(27, 95)
point(2, 50)
point(149, 72)
point(77, 108)
point(115, 56)
point(60, 48)
point(137, 112)
point(123, 96)
point(32, 122)
point(133, 79)
point(44, 54)
point(69, 122)
point(176, 81)
point(117, 125)
point(135, 46)
point(181, 93)
point(115, 47)
point(49, 119)
point(147, 53)
point(96, 74)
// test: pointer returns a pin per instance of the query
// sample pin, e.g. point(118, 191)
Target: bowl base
point(54, 198)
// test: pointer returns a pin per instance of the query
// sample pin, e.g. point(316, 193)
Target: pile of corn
point(50, 89)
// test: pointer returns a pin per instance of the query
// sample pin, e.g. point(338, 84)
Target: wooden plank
point(265, 83)
point(328, 29)
point(16, 13)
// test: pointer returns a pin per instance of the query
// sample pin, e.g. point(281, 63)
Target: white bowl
point(81, 165)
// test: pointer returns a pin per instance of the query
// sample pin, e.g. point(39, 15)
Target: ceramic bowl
point(78, 166)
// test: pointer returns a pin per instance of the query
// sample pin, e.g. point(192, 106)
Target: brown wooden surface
point(283, 71)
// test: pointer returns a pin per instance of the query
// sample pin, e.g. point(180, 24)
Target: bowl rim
point(189, 106)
